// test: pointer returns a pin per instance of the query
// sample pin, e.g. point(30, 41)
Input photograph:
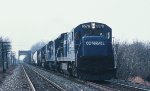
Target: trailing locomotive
point(85, 52)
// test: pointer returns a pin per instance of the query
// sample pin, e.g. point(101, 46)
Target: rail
point(30, 83)
point(56, 86)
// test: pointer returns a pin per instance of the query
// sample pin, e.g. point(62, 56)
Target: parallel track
point(33, 88)
point(105, 87)
point(101, 87)
point(111, 86)
point(90, 84)
point(135, 88)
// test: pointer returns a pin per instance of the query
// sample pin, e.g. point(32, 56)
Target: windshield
point(92, 32)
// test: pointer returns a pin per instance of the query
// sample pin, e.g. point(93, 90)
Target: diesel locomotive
point(86, 53)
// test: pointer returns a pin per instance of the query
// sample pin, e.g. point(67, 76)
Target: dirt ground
point(8, 72)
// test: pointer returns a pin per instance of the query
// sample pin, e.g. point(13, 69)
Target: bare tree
point(37, 46)
point(133, 59)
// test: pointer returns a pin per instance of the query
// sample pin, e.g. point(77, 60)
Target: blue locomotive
point(86, 52)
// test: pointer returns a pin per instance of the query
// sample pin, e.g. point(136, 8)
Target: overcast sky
point(26, 22)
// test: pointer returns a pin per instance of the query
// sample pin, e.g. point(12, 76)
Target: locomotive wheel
point(74, 71)
point(79, 74)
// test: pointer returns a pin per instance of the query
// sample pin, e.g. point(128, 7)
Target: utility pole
point(4, 50)
point(4, 70)
point(12, 57)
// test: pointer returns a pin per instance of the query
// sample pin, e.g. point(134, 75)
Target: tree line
point(132, 59)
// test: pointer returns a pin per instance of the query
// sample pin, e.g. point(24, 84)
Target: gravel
point(15, 82)
point(38, 82)
point(147, 88)
point(68, 85)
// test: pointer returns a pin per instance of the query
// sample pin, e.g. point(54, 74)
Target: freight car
point(86, 52)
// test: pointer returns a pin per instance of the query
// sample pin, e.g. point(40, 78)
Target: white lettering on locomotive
point(95, 43)
point(93, 26)
point(86, 26)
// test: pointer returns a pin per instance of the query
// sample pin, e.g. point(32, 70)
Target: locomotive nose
point(94, 46)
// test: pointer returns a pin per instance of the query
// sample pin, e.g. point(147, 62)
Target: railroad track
point(101, 87)
point(107, 85)
point(110, 86)
point(38, 82)
point(32, 88)
point(127, 86)
point(88, 83)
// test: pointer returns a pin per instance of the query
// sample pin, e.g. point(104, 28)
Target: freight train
point(86, 53)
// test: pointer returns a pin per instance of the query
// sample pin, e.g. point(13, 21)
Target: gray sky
point(26, 22)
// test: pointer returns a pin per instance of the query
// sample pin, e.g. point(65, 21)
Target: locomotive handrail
point(58, 50)
point(77, 51)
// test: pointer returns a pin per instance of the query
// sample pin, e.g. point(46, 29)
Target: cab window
point(77, 36)
point(108, 35)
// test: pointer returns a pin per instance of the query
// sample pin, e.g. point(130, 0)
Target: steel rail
point(101, 87)
point(134, 87)
point(30, 83)
point(49, 81)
